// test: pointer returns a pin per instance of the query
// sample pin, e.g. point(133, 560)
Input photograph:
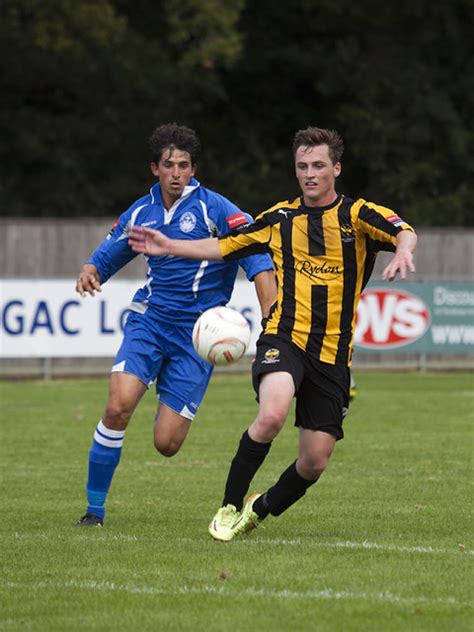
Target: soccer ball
point(221, 335)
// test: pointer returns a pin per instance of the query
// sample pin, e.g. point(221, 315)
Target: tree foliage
point(84, 83)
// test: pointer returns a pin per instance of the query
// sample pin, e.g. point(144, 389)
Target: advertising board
point(46, 318)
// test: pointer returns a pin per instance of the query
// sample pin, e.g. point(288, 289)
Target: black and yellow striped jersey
point(322, 258)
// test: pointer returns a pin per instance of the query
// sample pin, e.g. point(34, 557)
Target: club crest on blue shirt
point(187, 222)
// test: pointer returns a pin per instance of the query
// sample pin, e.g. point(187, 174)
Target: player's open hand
point(401, 263)
point(88, 281)
point(148, 241)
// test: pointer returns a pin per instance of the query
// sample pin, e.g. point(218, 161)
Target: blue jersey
point(179, 289)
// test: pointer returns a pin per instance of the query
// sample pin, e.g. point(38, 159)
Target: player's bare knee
point(269, 424)
point(116, 417)
point(312, 466)
point(167, 448)
point(318, 467)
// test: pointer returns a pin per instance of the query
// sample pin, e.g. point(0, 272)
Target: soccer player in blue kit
point(157, 341)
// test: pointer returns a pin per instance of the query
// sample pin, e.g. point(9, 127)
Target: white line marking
point(222, 591)
point(81, 536)
point(457, 549)
point(367, 545)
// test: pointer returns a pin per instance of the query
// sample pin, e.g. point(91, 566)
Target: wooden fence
point(55, 248)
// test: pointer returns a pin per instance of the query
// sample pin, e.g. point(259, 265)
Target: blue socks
point(103, 459)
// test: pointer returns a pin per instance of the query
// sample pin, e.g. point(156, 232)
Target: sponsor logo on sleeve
point(112, 229)
point(235, 220)
point(395, 220)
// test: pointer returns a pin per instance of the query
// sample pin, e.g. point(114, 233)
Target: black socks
point(289, 488)
point(249, 457)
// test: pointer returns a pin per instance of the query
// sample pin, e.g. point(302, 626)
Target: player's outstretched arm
point(88, 280)
point(155, 243)
point(403, 258)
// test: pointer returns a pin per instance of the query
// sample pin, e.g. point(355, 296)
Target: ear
point(155, 169)
point(337, 169)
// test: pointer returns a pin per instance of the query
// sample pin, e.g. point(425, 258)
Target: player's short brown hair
point(313, 136)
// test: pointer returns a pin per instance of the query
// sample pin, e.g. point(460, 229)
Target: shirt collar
point(155, 192)
point(320, 209)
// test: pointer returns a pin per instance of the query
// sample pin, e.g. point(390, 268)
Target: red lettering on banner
point(390, 318)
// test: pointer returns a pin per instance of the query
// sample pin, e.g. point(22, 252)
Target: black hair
point(172, 136)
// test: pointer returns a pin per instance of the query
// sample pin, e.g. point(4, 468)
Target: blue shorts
point(153, 350)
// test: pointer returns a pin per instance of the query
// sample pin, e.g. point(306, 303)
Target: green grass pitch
point(383, 542)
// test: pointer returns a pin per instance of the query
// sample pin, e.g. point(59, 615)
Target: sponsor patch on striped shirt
point(395, 220)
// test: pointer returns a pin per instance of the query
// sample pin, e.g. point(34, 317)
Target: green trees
point(84, 82)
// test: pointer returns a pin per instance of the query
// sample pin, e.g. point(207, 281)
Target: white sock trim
point(113, 434)
point(107, 437)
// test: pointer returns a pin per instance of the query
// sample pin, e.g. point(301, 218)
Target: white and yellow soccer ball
point(221, 335)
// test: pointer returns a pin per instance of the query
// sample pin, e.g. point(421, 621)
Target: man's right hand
point(148, 241)
point(154, 243)
point(88, 280)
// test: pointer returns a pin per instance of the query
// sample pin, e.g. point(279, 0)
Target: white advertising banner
point(46, 318)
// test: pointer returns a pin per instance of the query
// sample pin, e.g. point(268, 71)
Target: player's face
point(316, 174)
point(174, 170)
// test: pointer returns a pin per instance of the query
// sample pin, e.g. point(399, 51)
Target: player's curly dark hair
point(173, 136)
point(313, 136)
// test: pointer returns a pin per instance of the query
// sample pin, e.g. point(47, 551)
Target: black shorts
point(322, 390)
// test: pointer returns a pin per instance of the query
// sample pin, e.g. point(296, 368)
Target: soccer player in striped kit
point(323, 246)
